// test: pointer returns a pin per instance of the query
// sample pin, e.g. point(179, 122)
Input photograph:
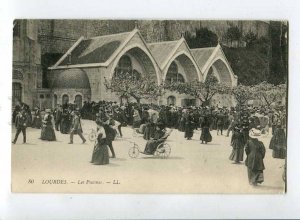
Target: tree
point(204, 91)
point(203, 38)
point(233, 34)
point(269, 93)
point(250, 38)
point(243, 94)
point(126, 85)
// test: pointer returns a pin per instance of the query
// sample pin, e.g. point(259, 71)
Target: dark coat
point(58, 116)
point(21, 121)
point(255, 151)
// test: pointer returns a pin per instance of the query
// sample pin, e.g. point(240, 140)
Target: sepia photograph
point(149, 106)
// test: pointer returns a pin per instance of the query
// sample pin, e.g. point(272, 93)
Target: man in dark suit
point(76, 127)
point(21, 124)
point(58, 117)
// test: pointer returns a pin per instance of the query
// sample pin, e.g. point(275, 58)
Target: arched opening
point(173, 74)
point(186, 69)
point(78, 101)
point(212, 72)
point(16, 93)
point(221, 71)
point(136, 62)
point(65, 99)
point(125, 70)
point(171, 100)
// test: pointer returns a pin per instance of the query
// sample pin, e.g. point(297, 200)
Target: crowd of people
point(246, 124)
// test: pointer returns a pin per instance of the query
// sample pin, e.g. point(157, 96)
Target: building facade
point(70, 48)
point(93, 60)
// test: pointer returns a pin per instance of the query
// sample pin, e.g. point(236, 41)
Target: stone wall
point(27, 60)
point(57, 36)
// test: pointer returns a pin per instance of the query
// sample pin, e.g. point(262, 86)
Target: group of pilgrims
point(247, 124)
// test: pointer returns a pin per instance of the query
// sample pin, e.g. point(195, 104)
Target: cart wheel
point(92, 136)
point(163, 150)
point(133, 152)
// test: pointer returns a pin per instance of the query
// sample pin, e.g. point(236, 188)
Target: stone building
point(39, 44)
point(91, 60)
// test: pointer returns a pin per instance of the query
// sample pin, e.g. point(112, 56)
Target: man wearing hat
point(21, 124)
point(76, 127)
point(58, 117)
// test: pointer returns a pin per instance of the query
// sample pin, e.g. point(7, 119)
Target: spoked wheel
point(92, 136)
point(163, 150)
point(133, 152)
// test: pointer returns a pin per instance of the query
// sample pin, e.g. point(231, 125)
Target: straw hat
point(254, 133)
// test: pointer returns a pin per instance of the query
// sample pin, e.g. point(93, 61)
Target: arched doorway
point(221, 72)
point(137, 60)
point(171, 100)
point(65, 99)
point(16, 93)
point(184, 67)
point(125, 70)
point(173, 75)
point(78, 101)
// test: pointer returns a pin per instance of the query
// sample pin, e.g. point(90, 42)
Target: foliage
point(243, 94)
point(125, 85)
point(233, 33)
point(249, 64)
point(203, 38)
point(279, 56)
point(269, 93)
point(204, 91)
point(250, 38)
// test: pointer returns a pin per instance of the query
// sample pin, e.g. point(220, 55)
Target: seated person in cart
point(160, 136)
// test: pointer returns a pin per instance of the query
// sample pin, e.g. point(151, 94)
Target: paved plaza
point(191, 168)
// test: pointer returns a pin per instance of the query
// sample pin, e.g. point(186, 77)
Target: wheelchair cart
point(163, 149)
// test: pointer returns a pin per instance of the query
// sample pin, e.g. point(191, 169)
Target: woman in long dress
point(189, 127)
point(278, 140)
point(100, 154)
point(65, 122)
point(205, 133)
point(47, 132)
point(237, 143)
point(158, 138)
point(255, 151)
point(136, 119)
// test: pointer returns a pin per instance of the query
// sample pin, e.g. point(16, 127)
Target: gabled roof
point(95, 50)
point(161, 51)
point(201, 55)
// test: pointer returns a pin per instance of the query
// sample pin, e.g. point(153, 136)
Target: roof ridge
point(200, 48)
point(109, 35)
point(161, 42)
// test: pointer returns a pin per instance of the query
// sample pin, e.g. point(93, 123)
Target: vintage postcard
point(149, 106)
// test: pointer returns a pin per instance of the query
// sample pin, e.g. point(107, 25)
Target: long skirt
point(278, 144)
point(181, 126)
point(100, 154)
point(65, 126)
point(205, 135)
point(47, 133)
point(189, 132)
point(152, 145)
point(279, 153)
point(136, 124)
point(37, 123)
point(237, 154)
point(255, 176)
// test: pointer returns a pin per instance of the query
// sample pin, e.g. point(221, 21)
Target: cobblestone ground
point(191, 168)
